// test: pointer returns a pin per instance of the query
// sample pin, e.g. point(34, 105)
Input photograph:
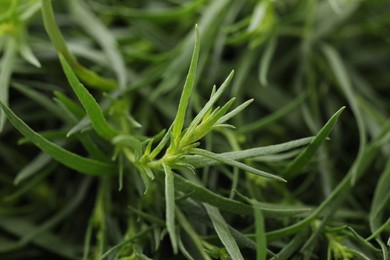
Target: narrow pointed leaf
point(199, 193)
point(129, 141)
point(188, 86)
point(305, 156)
point(103, 36)
point(210, 103)
point(228, 161)
point(87, 76)
point(283, 111)
point(266, 60)
point(69, 159)
point(170, 206)
point(381, 199)
point(261, 239)
point(222, 229)
point(340, 72)
point(72, 106)
point(6, 65)
point(89, 103)
point(234, 112)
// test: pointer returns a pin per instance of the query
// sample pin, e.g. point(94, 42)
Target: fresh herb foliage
point(194, 129)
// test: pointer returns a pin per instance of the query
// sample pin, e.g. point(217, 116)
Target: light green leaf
point(208, 105)
point(170, 206)
point(161, 144)
point(228, 161)
point(207, 125)
point(234, 112)
point(200, 161)
point(187, 90)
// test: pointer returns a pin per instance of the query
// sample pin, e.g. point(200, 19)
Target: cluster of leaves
point(132, 165)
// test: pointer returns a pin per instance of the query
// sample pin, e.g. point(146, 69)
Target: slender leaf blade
point(305, 156)
point(6, 65)
point(69, 159)
point(170, 206)
point(199, 161)
point(89, 103)
point(343, 80)
point(223, 232)
point(187, 90)
point(234, 163)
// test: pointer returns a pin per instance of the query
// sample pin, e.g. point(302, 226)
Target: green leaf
point(261, 239)
point(343, 80)
point(160, 145)
point(88, 76)
point(293, 246)
point(156, 15)
point(222, 229)
point(195, 122)
point(266, 60)
point(207, 125)
point(33, 167)
point(50, 241)
point(131, 142)
point(199, 193)
point(72, 106)
point(103, 36)
point(192, 234)
point(39, 98)
point(283, 111)
point(124, 242)
point(89, 103)
point(200, 161)
point(296, 166)
point(170, 206)
point(228, 161)
point(187, 90)
point(234, 112)
point(340, 191)
point(69, 159)
point(6, 65)
point(32, 183)
point(27, 54)
point(40, 235)
point(380, 201)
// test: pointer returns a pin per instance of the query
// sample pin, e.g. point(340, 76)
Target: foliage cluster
point(115, 144)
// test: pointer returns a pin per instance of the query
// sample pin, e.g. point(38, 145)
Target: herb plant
point(116, 145)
